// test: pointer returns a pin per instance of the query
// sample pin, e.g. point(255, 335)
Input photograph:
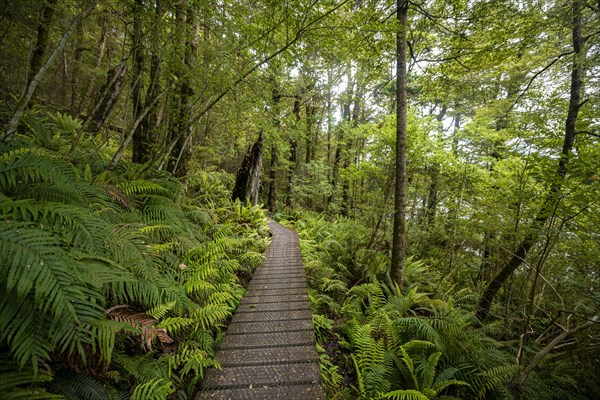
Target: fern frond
point(413, 327)
point(140, 186)
point(79, 226)
point(25, 165)
point(105, 333)
point(191, 358)
point(161, 310)
point(404, 395)
point(143, 322)
point(370, 352)
point(35, 266)
point(75, 386)
point(211, 314)
point(21, 383)
point(156, 389)
point(143, 368)
point(175, 325)
point(427, 369)
point(493, 377)
point(375, 381)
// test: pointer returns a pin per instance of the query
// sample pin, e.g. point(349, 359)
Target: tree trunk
point(522, 378)
point(247, 179)
point(41, 41)
point(432, 196)
point(24, 100)
point(129, 136)
point(182, 152)
point(110, 94)
point(329, 109)
point(75, 71)
point(99, 56)
point(399, 233)
point(343, 146)
point(137, 67)
point(354, 117)
point(289, 201)
point(150, 124)
point(552, 197)
point(310, 136)
point(272, 200)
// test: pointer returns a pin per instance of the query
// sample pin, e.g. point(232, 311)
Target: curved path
point(269, 350)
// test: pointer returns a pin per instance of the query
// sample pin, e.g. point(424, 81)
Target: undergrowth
point(115, 284)
point(377, 342)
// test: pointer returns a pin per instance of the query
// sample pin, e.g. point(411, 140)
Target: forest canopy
point(438, 158)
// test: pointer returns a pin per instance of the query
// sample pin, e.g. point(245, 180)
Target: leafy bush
point(115, 284)
point(378, 342)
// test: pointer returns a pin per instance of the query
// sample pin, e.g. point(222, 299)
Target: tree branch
point(533, 78)
point(24, 100)
point(262, 62)
point(551, 346)
point(590, 133)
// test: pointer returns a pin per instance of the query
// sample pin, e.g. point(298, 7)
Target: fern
point(21, 383)
point(414, 327)
point(161, 310)
point(35, 267)
point(176, 325)
point(156, 389)
point(404, 395)
point(143, 368)
point(493, 377)
point(211, 314)
point(75, 386)
point(145, 324)
point(191, 357)
point(140, 186)
point(82, 252)
point(22, 166)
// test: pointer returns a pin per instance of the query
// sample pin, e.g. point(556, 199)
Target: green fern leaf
point(156, 389)
point(404, 395)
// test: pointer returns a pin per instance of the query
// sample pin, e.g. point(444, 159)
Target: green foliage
point(95, 262)
point(399, 345)
point(155, 389)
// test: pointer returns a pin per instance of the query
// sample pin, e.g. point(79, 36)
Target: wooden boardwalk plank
point(269, 350)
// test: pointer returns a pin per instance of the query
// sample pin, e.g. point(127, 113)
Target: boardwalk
point(269, 349)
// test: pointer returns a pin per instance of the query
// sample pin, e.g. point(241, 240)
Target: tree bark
point(137, 67)
point(353, 117)
point(41, 41)
point(552, 197)
point(342, 146)
point(399, 230)
point(24, 100)
point(386, 198)
point(289, 200)
point(129, 136)
point(182, 152)
point(247, 179)
point(99, 56)
point(272, 199)
point(78, 55)
point(110, 95)
point(522, 378)
point(149, 125)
